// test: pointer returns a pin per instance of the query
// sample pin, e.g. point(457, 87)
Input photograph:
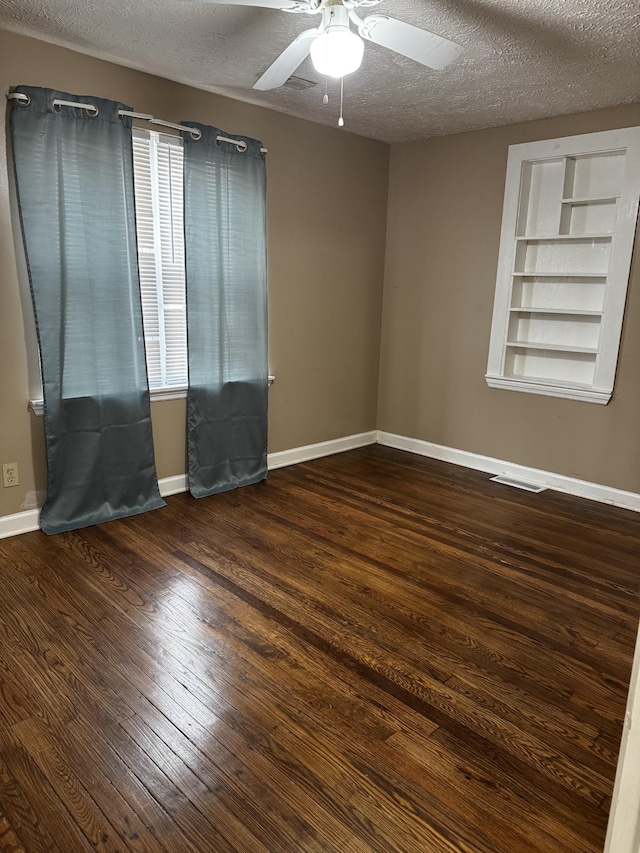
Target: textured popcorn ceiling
point(523, 59)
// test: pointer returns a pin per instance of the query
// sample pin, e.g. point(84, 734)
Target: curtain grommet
point(196, 134)
point(90, 109)
point(241, 146)
point(24, 100)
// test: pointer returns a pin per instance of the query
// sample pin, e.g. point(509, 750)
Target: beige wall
point(327, 193)
point(443, 234)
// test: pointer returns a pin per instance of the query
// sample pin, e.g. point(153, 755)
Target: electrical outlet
point(10, 474)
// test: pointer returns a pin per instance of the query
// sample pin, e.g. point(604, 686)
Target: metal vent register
point(518, 484)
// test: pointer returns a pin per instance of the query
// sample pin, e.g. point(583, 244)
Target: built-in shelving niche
point(567, 236)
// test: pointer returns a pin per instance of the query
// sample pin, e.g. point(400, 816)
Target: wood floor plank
point(8, 840)
point(454, 657)
point(426, 691)
point(330, 722)
point(405, 719)
point(446, 595)
point(178, 713)
point(84, 811)
point(37, 814)
point(369, 652)
point(500, 577)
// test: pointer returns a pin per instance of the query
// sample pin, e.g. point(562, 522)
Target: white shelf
point(571, 312)
point(552, 347)
point(547, 237)
point(563, 274)
point(603, 199)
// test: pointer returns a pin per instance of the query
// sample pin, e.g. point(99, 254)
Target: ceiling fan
point(336, 50)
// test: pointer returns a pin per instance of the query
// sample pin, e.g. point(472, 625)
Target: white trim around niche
point(587, 395)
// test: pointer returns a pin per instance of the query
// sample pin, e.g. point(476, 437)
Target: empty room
point(319, 435)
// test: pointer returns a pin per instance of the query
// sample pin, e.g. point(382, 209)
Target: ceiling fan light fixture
point(337, 52)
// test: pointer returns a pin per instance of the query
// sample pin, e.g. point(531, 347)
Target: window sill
point(158, 395)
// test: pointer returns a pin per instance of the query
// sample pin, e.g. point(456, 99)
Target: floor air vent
point(518, 484)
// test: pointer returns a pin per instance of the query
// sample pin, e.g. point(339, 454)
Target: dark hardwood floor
point(369, 652)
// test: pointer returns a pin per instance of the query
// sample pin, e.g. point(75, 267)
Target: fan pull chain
point(341, 120)
point(325, 99)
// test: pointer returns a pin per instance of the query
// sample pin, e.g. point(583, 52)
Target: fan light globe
point(337, 52)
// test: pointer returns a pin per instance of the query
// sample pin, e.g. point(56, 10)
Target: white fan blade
point(279, 71)
point(282, 5)
point(422, 46)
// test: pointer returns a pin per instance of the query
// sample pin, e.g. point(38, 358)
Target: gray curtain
point(74, 179)
point(225, 244)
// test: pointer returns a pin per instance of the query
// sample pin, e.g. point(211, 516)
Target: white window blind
point(157, 163)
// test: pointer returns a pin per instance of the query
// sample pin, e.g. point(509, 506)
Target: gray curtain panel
point(225, 243)
point(74, 179)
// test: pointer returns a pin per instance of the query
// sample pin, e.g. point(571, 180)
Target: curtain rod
point(240, 144)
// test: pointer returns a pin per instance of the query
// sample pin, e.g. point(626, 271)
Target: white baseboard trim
point(173, 485)
point(558, 482)
point(19, 522)
point(25, 522)
point(323, 448)
point(282, 458)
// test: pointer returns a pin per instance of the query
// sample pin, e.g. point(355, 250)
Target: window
point(158, 181)
point(568, 225)
point(157, 163)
